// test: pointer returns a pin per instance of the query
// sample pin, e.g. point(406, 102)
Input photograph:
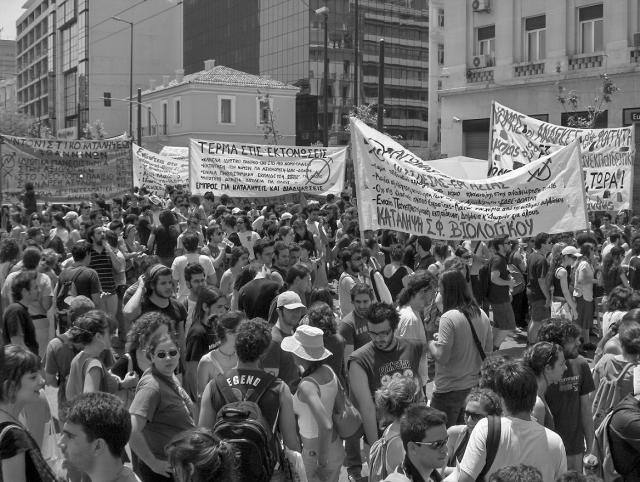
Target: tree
point(570, 101)
point(95, 131)
point(268, 123)
point(22, 125)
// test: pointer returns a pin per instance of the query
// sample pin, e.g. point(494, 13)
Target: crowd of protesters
point(156, 319)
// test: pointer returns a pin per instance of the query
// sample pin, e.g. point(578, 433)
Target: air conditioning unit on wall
point(480, 61)
point(481, 5)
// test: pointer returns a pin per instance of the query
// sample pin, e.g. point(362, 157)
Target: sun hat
point(70, 215)
point(571, 251)
point(306, 343)
point(289, 300)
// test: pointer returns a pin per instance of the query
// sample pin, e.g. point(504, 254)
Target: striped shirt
point(101, 262)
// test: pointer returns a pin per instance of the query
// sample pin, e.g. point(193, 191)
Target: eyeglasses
point(380, 334)
point(170, 354)
point(473, 416)
point(435, 445)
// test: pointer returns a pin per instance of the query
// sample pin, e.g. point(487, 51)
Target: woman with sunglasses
point(480, 403)
point(160, 410)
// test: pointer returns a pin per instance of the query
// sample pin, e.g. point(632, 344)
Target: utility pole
point(381, 87)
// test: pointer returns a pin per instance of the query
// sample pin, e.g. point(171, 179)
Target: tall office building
point(284, 39)
point(7, 59)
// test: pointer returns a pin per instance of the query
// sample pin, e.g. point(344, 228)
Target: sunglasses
point(436, 445)
point(164, 354)
point(473, 415)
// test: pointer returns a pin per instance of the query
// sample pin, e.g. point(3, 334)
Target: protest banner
point(399, 191)
point(254, 170)
point(606, 154)
point(65, 170)
point(155, 171)
point(180, 153)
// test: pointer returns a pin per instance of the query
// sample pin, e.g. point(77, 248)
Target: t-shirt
point(255, 297)
point(103, 265)
point(609, 367)
point(178, 265)
point(17, 322)
point(410, 327)
point(86, 280)
point(521, 442)
point(537, 267)
point(499, 294)
point(165, 241)
point(459, 365)
point(354, 330)
point(584, 288)
point(200, 340)
point(281, 364)
point(345, 284)
point(82, 364)
point(634, 272)
point(43, 283)
point(16, 440)
point(173, 310)
point(563, 399)
point(166, 407)
point(381, 366)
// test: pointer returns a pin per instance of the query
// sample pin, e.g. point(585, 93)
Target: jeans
point(452, 404)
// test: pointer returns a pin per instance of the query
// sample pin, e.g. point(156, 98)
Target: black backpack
point(62, 308)
point(240, 423)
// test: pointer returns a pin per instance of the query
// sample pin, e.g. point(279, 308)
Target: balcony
point(527, 69)
point(480, 75)
point(373, 79)
point(585, 61)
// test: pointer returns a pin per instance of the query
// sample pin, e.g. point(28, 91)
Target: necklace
point(228, 355)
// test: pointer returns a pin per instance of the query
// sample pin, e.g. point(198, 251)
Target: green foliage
point(22, 125)
point(570, 101)
point(94, 131)
point(269, 128)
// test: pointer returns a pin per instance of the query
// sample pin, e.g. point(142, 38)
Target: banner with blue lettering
point(606, 154)
point(397, 190)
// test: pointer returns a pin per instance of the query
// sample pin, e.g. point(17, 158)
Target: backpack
point(607, 396)
point(601, 449)
point(65, 289)
point(240, 423)
point(378, 457)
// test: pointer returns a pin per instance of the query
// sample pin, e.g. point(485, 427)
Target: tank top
point(394, 282)
point(306, 421)
point(557, 286)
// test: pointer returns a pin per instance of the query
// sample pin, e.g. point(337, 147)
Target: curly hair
point(541, 355)
point(489, 400)
point(629, 334)
point(9, 250)
point(488, 370)
point(228, 323)
point(252, 339)
point(558, 331)
point(89, 325)
point(618, 298)
point(416, 283)
point(204, 455)
point(379, 312)
point(321, 316)
point(396, 396)
point(102, 415)
point(516, 473)
point(144, 326)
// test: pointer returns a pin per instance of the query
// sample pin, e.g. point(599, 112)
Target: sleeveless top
point(306, 421)
point(394, 282)
point(557, 286)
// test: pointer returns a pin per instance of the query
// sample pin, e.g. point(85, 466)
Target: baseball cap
point(289, 300)
point(286, 216)
point(235, 211)
point(571, 251)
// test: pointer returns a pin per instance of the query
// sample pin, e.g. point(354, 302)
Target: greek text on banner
point(254, 170)
point(65, 170)
point(399, 191)
point(606, 154)
point(155, 171)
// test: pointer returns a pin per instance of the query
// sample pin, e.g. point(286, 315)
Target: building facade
point(7, 59)
point(217, 103)
point(285, 40)
point(519, 52)
point(8, 95)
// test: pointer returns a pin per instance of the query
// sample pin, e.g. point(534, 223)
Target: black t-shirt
point(255, 297)
point(537, 267)
point(17, 321)
point(18, 440)
point(173, 310)
point(634, 272)
point(166, 241)
point(499, 294)
point(86, 280)
point(200, 340)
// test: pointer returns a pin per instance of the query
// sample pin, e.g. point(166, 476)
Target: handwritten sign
point(65, 170)
point(606, 154)
point(175, 152)
point(254, 170)
point(399, 191)
point(155, 172)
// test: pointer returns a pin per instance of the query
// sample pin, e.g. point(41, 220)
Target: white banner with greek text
point(255, 170)
point(175, 152)
point(606, 154)
point(399, 191)
point(155, 171)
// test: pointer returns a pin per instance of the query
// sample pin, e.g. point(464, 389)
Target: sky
point(11, 10)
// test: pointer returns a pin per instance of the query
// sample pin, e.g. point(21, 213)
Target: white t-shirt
point(178, 270)
point(521, 442)
point(410, 327)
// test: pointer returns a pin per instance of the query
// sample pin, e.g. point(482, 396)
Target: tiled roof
point(222, 75)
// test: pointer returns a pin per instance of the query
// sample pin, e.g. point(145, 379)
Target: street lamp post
point(118, 19)
point(356, 54)
point(324, 11)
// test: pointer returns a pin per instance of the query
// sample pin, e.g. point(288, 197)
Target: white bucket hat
point(306, 343)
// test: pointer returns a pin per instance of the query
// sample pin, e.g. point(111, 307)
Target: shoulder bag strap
point(7, 428)
point(483, 355)
point(493, 441)
point(475, 251)
point(261, 389)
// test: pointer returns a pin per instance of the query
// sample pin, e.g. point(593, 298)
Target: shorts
point(585, 313)
point(538, 312)
point(503, 316)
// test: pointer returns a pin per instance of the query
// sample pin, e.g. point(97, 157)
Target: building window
point(534, 41)
point(107, 99)
point(164, 118)
point(70, 94)
point(440, 54)
point(226, 109)
point(265, 107)
point(151, 132)
point(176, 108)
point(591, 29)
point(486, 41)
point(441, 17)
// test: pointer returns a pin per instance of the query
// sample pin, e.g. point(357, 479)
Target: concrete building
point(518, 52)
point(7, 59)
point(8, 95)
point(285, 40)
point(34, 48)
point(217, 103)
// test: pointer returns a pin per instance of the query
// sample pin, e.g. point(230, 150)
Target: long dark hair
point(456, 294)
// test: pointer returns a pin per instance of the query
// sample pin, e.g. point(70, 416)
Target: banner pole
point(1, 177)
point(490, 150)
point(131, 160)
